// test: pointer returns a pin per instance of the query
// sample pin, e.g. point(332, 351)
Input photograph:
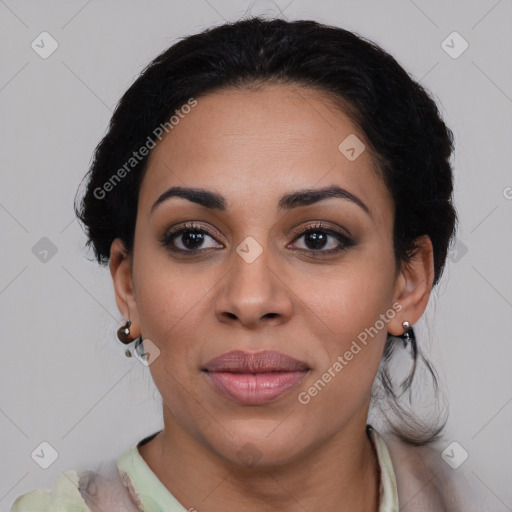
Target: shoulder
point(64, 495)
point(424, 480)
point(81, 491)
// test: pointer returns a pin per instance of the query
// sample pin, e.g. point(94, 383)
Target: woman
point(274, 201)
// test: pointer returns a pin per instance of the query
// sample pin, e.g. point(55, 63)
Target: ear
point(413, 286)
point(121, 272)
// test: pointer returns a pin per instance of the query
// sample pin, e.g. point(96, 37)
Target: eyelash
point(175, 232)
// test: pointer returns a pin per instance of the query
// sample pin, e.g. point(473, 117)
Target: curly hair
point(399, 119)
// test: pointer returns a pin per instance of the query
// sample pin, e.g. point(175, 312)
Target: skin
point(253, 146)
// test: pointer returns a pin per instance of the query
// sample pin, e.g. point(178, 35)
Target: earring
point(408, 336)
point(123, 334)
point(407, 331)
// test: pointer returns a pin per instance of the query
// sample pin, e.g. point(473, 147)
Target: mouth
point(254, 378)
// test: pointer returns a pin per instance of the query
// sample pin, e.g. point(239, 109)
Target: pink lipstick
point(254, 378)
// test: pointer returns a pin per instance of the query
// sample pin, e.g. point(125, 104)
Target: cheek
point(354, 307)
point(351, 298)
point(168, 297)
point(168, 309)
point(174, 306)
point(354, 314)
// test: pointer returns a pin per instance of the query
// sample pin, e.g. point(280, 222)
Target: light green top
point(155, 497)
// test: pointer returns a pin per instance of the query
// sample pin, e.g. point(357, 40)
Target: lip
point(254, 378)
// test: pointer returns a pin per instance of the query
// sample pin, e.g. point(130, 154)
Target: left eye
point(323, 240)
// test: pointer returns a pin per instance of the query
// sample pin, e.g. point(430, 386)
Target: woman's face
point(245, 277)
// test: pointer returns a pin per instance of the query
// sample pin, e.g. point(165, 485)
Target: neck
point(340, 474)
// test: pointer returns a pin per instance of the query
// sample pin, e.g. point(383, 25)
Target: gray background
point(63, 376)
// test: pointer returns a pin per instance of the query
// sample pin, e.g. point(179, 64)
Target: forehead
point(256, 144)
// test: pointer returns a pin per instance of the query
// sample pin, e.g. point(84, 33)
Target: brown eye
point(189, 238)
point(321, 239)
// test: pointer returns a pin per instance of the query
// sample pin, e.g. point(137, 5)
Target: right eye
point(188, 238)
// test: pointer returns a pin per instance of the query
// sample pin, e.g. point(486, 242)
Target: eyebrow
point(304, 197)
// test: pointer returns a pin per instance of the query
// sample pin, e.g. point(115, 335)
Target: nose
point(254, 295)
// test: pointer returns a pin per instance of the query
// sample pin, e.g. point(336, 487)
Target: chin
point(270, 445)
